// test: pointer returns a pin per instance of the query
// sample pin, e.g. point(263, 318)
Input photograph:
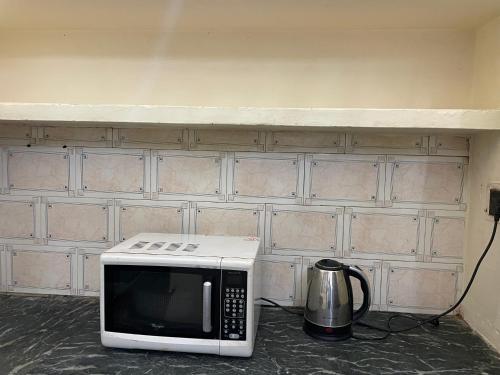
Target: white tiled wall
point(392, 204)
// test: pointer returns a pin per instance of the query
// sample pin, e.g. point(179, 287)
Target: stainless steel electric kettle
point(329, 314)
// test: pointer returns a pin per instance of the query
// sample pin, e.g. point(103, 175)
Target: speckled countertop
point(60, 335)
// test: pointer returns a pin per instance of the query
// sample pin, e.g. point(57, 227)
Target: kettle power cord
point(434, 320)
point(290, 311)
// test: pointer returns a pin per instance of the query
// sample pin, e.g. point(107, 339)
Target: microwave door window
point(162, 301)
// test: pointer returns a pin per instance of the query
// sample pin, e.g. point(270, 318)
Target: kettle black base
point(327, 333)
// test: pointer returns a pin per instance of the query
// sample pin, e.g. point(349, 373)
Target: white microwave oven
point(181, 293)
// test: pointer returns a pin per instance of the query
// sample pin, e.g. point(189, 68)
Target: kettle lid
point(329, 265)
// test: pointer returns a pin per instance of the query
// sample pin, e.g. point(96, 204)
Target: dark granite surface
point(60, 335)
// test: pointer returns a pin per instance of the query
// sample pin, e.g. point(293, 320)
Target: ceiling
point(254, 15)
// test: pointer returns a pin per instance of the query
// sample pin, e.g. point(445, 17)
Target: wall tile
point(428, 288)
point(444, 236)
point(426, 182)
point(74, 222)
point(189, 175)
point(452, 145)
point(18, 219)
point(261, 178)
point(226, 140)
point(133, 217)
point(375, 233)
point(3, 269)
point(281, 279)
point(113, 173)
point(166, 139)
point(342, 179)
point(40, 269)
point(229, 219)
point(3, 171)
point(301, 230)
point(16, 134)
point(305, 141)
point(75, 136)
point(38, 171)
point(89, 277)
point(374, 143)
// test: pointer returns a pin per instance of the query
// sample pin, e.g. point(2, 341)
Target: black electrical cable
point(434, 320)
point(282, 307)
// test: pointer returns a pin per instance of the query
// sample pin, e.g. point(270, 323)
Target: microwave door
point(162, 301)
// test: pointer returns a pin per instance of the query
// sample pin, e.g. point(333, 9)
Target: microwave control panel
point(234, 302)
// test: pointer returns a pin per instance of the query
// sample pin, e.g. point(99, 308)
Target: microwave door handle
point(207, 306)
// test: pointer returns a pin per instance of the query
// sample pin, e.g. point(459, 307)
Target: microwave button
point(234, 336)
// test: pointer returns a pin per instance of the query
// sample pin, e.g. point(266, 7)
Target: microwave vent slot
point(156, 245)
point(174, 246)
point(191, 247)
point(139, 245)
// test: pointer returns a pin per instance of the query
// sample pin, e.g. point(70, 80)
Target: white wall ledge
point(153, 115)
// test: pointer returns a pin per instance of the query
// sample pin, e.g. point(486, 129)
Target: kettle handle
point(356, 272)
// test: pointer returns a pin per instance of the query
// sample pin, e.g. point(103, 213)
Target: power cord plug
point(494, 209)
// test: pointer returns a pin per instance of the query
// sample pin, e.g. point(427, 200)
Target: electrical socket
point(494, 202)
